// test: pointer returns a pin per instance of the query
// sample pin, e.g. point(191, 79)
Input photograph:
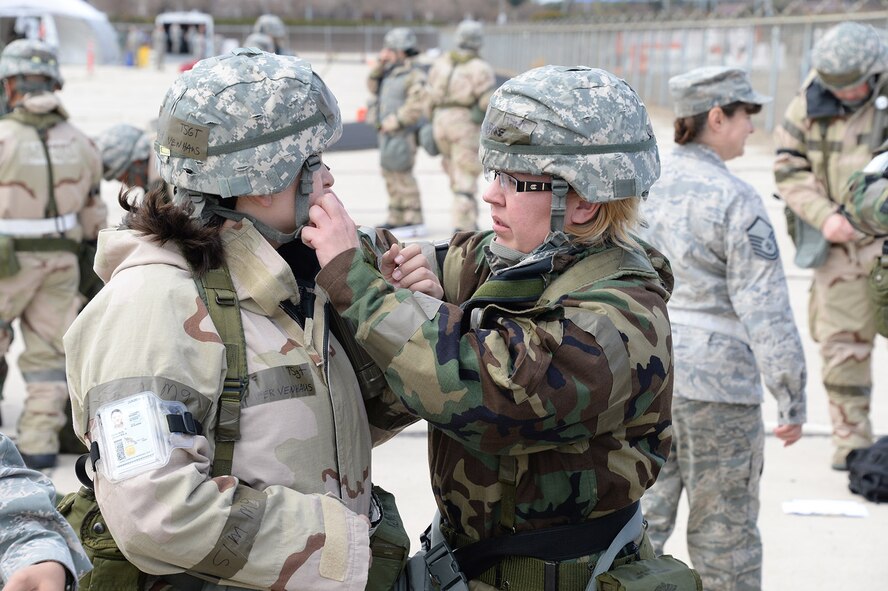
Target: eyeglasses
point(509, 183)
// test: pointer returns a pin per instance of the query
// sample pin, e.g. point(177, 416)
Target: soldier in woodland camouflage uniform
point(49, 203)
point(545, 369)
point(829, 131)
point(37, 546)
point(460, 85)
point(399, 89)
point(293, 511)
point(731, 320)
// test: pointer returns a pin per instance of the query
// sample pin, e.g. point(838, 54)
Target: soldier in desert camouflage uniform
point(291, 511)
point(38, 549)
point(460, 85)
point(545, 370)
point(398, 87)
point(829, 131)
point(731, 320)
point(49, 203)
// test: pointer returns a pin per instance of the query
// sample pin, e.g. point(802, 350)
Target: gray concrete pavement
point(801, 552)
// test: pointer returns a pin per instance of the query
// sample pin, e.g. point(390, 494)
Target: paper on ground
point(825, 507)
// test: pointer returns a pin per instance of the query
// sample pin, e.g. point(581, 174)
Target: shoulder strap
point(607, 264)
point(217, 292)
point(41, 125)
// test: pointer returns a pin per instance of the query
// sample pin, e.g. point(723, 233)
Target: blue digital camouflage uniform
point(31, 530)
point(732, 322)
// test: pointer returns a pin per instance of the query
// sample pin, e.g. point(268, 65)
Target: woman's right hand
point(406, 267)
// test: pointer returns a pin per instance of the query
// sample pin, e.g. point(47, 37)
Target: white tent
point(69, 25)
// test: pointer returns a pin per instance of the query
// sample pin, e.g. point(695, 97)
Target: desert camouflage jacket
point(730, 311)
point(76, 168)
point(460, 78)
point(291, 514)
point(574, 393)
point(31, 530)
point(820, 144)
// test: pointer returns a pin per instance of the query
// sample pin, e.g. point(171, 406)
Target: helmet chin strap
point(203, 207)
point(559, 204)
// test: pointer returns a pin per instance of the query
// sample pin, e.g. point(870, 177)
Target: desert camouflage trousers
point(716, 457)
point(43, 296)
point(842, 319)
point(405, 207)
point(458, 140)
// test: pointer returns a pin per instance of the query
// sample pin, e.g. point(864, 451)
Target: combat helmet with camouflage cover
point(121, 145)
point(400, 39)
point(25, 57)
point(245, 123)
point(270, 24)
point(470, 35)
point(848, 54)
point(260, 40)
point(583, 126)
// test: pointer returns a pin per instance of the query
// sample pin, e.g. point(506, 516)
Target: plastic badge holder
point(134, 437)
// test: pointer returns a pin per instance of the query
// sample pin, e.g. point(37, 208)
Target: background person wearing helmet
point(399, 95)
point(545, 371)
point(829, 131)
point(269, 34)
point(731, 321)
point(49, 203)
point(126, 152)
point(240, 137)
point(460, 85)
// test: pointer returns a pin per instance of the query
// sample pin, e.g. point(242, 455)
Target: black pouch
point(90, 283)
point(389, 544)
point(652, 574)
point(9, 264)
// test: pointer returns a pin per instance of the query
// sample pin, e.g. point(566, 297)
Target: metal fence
point(776, 51)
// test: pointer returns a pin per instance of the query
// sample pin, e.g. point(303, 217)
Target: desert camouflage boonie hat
point(244, 124)
point(30, 57)
point(580, 124)
point(121, 145)
point(270, 24)
point(400, 39)
point(470, 35)
point(701, 89)
point(847, 54)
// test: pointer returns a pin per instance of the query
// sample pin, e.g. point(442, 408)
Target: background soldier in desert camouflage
point(548, 406)
point(38, 549)
point(731, 321)
point(460, 85)
point(291, 509)
point(829, 131)
point(49, 178)
point(398, 87)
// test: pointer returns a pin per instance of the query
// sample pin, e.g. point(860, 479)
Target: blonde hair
point(613, 223)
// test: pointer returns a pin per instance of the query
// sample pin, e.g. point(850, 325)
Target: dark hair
point(688, 128)
point(161, 220)
point(411, 52)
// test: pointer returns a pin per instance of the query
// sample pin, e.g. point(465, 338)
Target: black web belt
point(562, 542)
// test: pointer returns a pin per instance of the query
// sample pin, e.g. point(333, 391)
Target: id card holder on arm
point(134, 436)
